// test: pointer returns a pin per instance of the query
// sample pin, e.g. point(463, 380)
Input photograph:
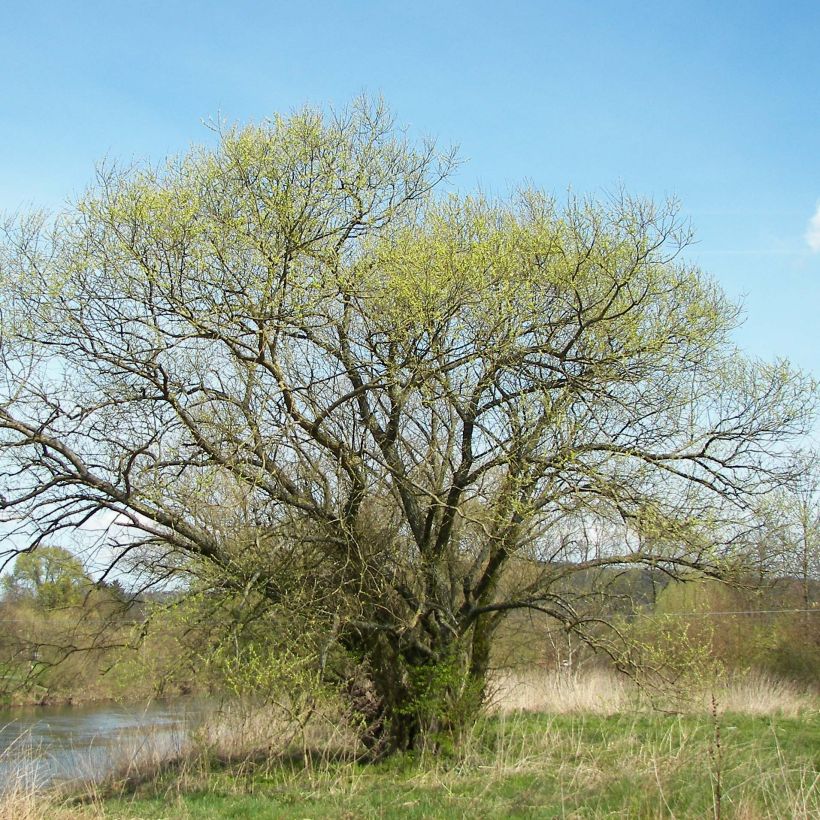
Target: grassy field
point(587, 757)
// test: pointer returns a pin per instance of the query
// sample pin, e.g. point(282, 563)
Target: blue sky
point(715, 103)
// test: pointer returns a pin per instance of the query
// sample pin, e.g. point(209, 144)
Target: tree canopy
point(289, 358)
point(50, 576)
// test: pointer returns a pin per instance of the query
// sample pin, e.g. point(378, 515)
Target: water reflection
point(39, 745)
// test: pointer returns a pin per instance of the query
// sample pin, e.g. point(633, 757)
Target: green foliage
point(702, 630)
point(50, 577)
point(357, 409)
point(673, 658)
point(443, 700)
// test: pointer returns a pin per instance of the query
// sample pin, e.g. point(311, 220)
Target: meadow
point(551, 745)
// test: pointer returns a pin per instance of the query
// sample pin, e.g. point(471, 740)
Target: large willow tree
point(288, 359)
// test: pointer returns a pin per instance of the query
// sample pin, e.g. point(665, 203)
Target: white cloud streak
point(813, 231)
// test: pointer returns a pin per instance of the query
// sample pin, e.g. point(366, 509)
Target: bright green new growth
point(294, 371)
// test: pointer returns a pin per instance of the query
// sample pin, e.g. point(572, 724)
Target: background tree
point(797, 530)
point(286, 359)
point(50, 577)
point(786, 537)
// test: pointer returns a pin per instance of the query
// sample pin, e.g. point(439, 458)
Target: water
point(43, 744)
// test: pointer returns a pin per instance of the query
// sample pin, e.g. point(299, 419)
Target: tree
point(789, 531)
point(802, 531)
point(51, 576)
point(402, 415)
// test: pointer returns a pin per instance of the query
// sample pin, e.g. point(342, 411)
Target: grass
point(525, 766)
point(582, 748)
point(603, 692)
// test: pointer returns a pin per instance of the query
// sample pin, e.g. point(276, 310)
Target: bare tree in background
point(789, 533)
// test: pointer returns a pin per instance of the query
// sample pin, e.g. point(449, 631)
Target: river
point(43, 744)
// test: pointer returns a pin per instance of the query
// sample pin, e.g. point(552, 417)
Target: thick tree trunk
point(480, 655)
point(402, 700)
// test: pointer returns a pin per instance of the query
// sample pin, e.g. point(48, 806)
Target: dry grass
point(603, 692)
point(33, 805)
point(591, 739)
point(242, 728)
point(600, 692)
point(760, 694)
point(23, 798)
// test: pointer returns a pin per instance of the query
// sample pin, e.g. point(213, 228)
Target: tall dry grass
point(758, 693)
point(24, 795)
point(559, 692)
point(255, 740)
point(24, 802)
point(604, 692)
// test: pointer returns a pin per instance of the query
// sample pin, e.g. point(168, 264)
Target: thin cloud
point(813, 231)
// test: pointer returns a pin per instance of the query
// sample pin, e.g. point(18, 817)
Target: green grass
point(642, 765)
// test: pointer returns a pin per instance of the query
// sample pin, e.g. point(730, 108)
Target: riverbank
point(88, 695)
point(80, 700)
point(581, 757)
point(527, 766)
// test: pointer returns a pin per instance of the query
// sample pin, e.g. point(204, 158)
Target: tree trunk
point(402, 700)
